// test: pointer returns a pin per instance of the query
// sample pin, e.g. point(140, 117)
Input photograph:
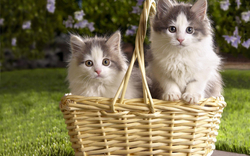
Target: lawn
point(32, 124)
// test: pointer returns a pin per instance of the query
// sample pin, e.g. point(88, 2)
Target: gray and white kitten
point(183, 63)
point(97, 67)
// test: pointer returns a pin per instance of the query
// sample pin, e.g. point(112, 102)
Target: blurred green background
point(107, 16)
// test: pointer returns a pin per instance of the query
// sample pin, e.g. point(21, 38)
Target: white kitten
point(183, 63)
point(97, 67)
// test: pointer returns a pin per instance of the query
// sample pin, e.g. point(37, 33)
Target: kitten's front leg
point(171, 91)
point(194, 92)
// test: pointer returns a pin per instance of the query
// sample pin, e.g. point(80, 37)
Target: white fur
point(175, 65)
point(85, 81)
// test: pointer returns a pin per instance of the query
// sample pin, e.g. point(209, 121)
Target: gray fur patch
point(214, 87)
point(162, 21)
point(115, 55)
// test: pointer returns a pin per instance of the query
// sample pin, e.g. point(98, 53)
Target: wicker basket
point(146, 126)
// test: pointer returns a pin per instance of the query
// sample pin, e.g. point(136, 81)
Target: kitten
point(97, 67)
point(183, 63)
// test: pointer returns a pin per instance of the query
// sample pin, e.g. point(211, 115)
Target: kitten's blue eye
point(190, 30)
point(106, 62)
point(172, 29)
point(89, 63)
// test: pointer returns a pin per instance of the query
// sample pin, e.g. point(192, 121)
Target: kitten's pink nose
point(180, 40)
point(98, 71)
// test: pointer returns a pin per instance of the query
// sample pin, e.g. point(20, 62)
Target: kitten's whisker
point(161, 51)
point(162, 47)
point(162, 40)
point(87, 78)
point(79, 80)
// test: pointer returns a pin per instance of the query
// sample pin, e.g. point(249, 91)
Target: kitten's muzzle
point(180, 40)
point(98, 72)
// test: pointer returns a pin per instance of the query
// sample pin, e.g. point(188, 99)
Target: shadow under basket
point(143, 126)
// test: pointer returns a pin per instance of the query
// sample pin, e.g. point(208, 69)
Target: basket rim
point(75, 102)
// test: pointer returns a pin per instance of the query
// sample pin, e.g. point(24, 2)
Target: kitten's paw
point(192, 98)
point(66, 94)
point(171, 96)
point(220, 97)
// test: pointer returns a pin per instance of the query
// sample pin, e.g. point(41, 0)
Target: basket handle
point(149, 9)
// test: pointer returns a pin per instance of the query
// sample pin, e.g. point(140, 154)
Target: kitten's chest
point(102, 90)
point(179, 68)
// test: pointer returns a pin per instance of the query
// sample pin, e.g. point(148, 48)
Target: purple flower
point(246, 44)
point(224, 5)
point(69, 22)
point(13, 42)
point(51, 6)
point(26, 25)
point(132, 31)
point(236, 41)
point(51, 1)
point(245, 16)
point(139, 2)
point(236, 31)
point(228, 38)
point(1, 21)
point(81, 24)
point(91, 26)
point(136, 10)
point(238, 3)
point(133, 27)
point(79, 15)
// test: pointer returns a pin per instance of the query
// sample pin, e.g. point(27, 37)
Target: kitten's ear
point(76, 44)
point(114, 41)
point(200, 8)
point(163, 6)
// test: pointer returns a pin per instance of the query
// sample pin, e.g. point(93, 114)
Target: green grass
point(234, 133)
point(32, 124)
point(30, 120)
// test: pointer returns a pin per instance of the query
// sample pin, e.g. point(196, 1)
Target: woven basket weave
point(146, 126)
